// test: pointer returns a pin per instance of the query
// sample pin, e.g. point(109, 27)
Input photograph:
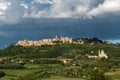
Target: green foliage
point(84, 66)
point(36, 76)
point(47, 61)
point(11, 66)
point(102, 65)
point(73, 73)
point(97, 75)
point(2, 74)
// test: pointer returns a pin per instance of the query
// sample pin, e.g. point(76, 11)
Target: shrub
point(85, 66)
point(47, 61)
point(97, 75)
point(2, 74)
point(11, 66)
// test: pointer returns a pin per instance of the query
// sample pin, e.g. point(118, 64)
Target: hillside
point(66, 60)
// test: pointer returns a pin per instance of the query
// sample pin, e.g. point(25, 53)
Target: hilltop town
point(61, 40)
point(49, 41)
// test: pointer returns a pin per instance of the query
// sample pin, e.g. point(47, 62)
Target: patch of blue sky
point(27, 1)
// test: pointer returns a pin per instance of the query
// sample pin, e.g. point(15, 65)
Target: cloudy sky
point(13, 11)
point(46, 18)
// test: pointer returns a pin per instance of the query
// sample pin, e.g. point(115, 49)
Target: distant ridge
point(115, 41)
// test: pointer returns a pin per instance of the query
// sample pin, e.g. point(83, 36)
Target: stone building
point(101, 54)
point(44, 41)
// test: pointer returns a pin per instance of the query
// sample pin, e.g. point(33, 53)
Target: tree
point(97, 75)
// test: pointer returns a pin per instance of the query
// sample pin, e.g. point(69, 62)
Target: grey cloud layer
point(12, 11)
